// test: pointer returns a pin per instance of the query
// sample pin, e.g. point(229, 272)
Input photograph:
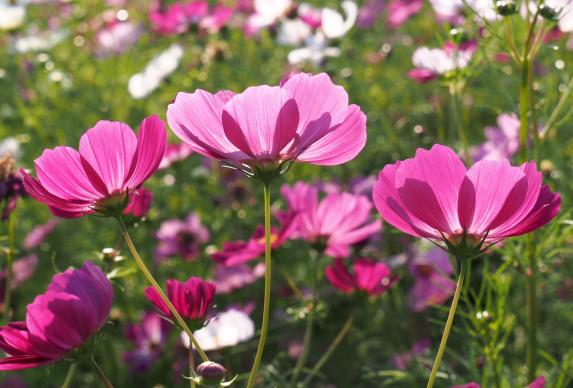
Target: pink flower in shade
point(432, 63)
point(310, 15)
point(229, 279)
point(432, 279)
point(174, 153)
point(74, 307)
point(434, 196)
point(369, 13)
point(191, 299)
point(502, 142)
point(111, 162)
point(400, 11)
point(369, 276)
point(139, 203)
point(339, 221)
point(403, 360)
point(22, 270)
point(307, 118)
point(181, 238)
point(217, 19)
point(37, 235)
point(149, 337)
point(537, 383)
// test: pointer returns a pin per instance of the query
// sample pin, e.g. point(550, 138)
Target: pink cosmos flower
point(229, 279)
point(149, 337)
point(369, 276)
point(400, 11)
point(217, 19)
point(338, 221)
point(432, 279)
point(502, 142)
point(139, 203)
point(181, 238)
point(111, 162)
point(37, 235)
point(177, 17)
point(174, 153)
point(432, 63)
point(307, 118)
point(191, 299)
point(434, 196)
point(310, 15)
point(117, 37)
point(75, 305)
point(468, 385)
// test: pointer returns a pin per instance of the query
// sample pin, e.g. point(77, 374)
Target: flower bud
point(548, 12)
point(211, 373)
point(505, 7)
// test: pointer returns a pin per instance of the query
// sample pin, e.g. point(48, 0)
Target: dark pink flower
point(111, 162)
point(177, 17)
point(403, 360)
point(537, 383)
point(434, 196)
point(191, 299)
point(11, 186)
point(217, 19)
point(181, 238)
point(37, 235)
point(338, 221)
point(468, 385)
point(149, 337)
point(432, 273)
point(307, 118)
point(400, 11)
point(139, 203)
point(229, 279)
point(75, 305)
point(369, 276)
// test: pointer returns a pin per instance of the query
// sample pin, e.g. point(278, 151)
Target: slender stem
point(325, 357)
point(448, 327)
point(455, 119)
point(191, 367)
point(558, 108)
point(267, 297)
point(531, 301)
point(157, 287)
point(100, 374)
point(9, 270)
point(70, 376)
point(307, 341)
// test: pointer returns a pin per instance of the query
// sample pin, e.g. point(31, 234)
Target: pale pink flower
point(217, 19)
point(368, 276)
point(432, 273)
point(117, 37)
point(502, 141)
point(400, 11)
point(37, 235)
point(181, 238)
point(432, 63)
point(175, 153)
point(229, 279)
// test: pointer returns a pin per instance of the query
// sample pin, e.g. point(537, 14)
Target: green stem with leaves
point(449, 322)
point(9, 269)
point(267, 296)
point(141, 264)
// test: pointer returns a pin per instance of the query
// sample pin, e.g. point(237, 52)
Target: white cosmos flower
point(10, 146)
point(441, 61)
point(39, 41)
point(315, 51)
point(267, 13)
point(11, 16)
point(227, 329)
point(334, 25)
point(449, 9)
point(293, 32)
point(140, 85)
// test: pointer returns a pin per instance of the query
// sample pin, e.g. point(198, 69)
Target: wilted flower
point(432, 273)
point(502, 142)
point(432, 63)
point(139, 203)
point(434, 196)
point(192, 299)
point(307, 118)
point(77, 302)
point(181, 238)
point(370, 277)
point(229, 279)
point(337, 222)
point(149, 337)
point(226, 329)
point(111, 162)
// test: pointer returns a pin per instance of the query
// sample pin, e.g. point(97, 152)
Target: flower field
point(276, 193)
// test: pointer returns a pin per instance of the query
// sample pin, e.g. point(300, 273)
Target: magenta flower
point(400, 11)
point(339, 221)
point(139, 203)
point(181, 238)
point(433, 196)
point(177, 17)
point(37, 235)
point(229, 279)
point(433, 285)
point(111, 162)
point(369, 276)
point(468, 385)
point(191, 299)
point(217, 19)
point(502, 142)
point(75, 305)
point(307, 118)
point(149, 337)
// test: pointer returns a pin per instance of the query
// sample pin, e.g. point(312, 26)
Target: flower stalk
point(70, 376)
point(9, 269)
point(100, 373)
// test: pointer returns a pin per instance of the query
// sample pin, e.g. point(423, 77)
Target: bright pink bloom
point(537, 383)
point(110, 163)
point(434, 196)
point(369, 276)
point(217, 19)
point(149, 337)
point(37, 235)
point(469, 385)
point(177, 17)
point(74, 307)
point(307, 118)
point(191, 299)
point(139, 202)
point(229, 279)
point(181, 238)
point(432, 273)
point(338, 221)
point(400, 11)
point(310, 15)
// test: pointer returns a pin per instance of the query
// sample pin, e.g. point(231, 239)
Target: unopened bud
point(548, 12)
point(505, 7)
point(211, 372)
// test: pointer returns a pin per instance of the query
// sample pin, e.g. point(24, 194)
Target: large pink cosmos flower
point(191, 299)
point(369, 276)
point(338, 221)
point(111, 162)
point(307, 118)
point(74, 307)
point(434, 196)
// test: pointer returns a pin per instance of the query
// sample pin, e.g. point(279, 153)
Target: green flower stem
point(70, 376)
point(157, 287)
point(9, 271)
point(531, 300)
point(456, 124)
point(449, 322)
point(267, 297)
point(191, 367)
point(326, 356)
point(100, 374)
